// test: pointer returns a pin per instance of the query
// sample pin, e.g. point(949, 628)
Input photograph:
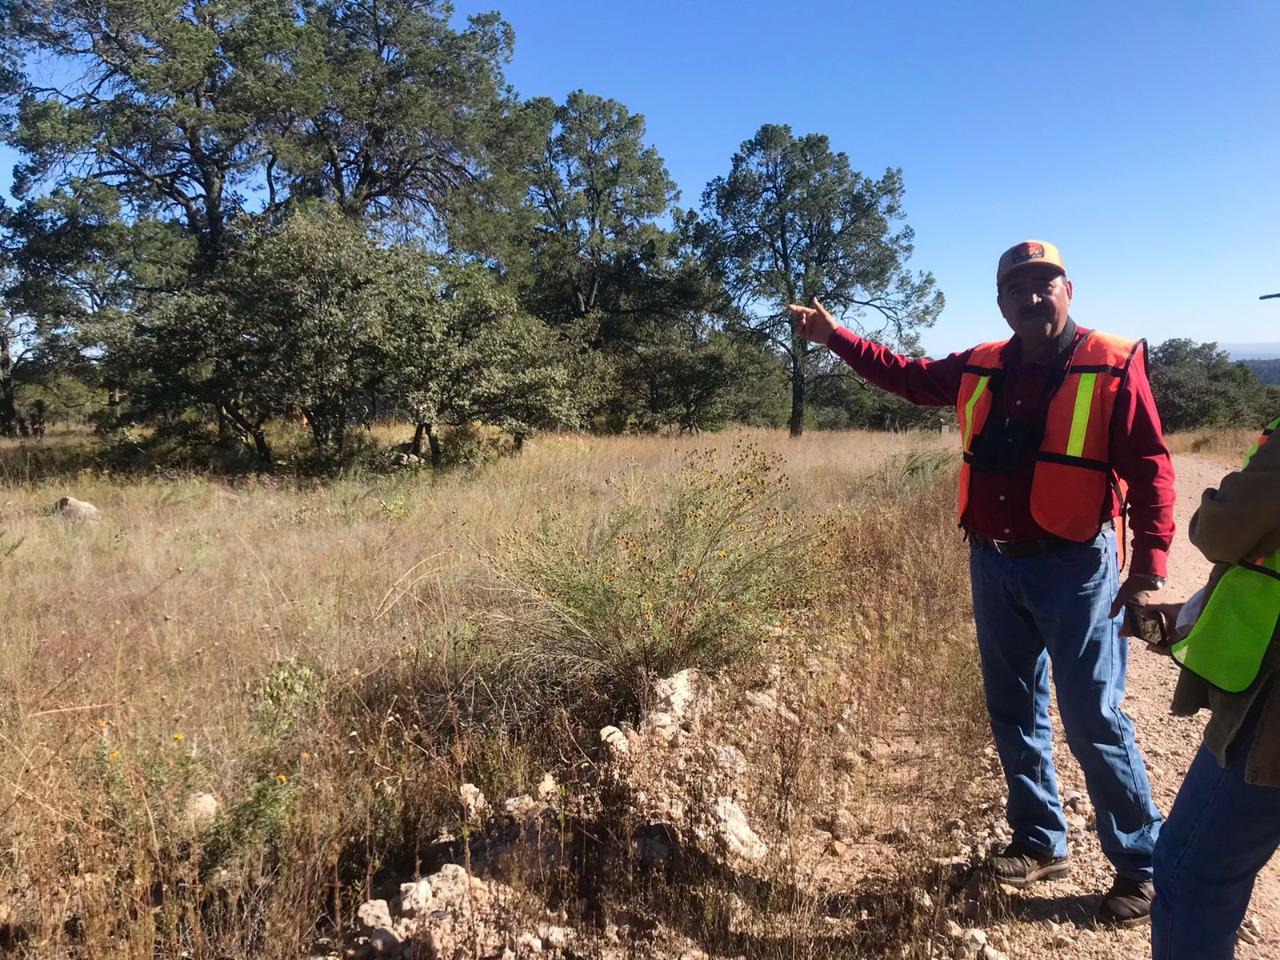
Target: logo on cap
point(1025, 252)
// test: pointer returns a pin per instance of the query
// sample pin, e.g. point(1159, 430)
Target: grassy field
point(329, 661)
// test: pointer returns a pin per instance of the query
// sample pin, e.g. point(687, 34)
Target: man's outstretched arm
point(932, 383)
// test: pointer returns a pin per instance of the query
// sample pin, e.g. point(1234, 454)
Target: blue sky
point(1140, 137)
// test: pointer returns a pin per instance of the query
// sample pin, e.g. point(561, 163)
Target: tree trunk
point(434, 443)
point(262, 448)
point(419, 431)
point(321, 431)
point(8, 391)
point(797, 390)
point(8, 406)
point(256, 433)
point(226, 427)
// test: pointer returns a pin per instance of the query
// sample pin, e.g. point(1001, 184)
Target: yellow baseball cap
point(1025, 253)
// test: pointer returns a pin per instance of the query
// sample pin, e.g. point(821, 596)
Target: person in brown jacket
point(1225, 823)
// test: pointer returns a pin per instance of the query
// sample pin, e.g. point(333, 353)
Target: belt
point(1017, 549)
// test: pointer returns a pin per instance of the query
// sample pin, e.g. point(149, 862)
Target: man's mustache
point(1039, 311)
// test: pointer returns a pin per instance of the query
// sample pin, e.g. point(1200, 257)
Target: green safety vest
point(1229, 640)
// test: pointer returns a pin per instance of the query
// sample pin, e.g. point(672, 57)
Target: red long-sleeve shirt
point(1000, 503)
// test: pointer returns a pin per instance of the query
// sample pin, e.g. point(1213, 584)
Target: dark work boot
point(1127, 902)
point(1019, 865)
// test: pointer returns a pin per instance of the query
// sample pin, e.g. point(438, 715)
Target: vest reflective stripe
point(1072, 483)
point(1080, 416)
point(968, 410)
point(1266, 435)
point(1231, 637)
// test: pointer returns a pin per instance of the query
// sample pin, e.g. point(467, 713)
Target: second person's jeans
point(1055, 608)
point(1221, 832)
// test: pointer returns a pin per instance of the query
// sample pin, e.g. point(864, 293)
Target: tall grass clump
point(682, 572)
point(903, 598)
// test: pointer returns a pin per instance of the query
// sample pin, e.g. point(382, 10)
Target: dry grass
point(1221, 443)
point(321, 658)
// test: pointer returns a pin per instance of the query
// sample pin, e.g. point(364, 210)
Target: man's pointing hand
point(813, 323)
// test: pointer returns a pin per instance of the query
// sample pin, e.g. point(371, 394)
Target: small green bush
point(683, 576)
point(285, 694)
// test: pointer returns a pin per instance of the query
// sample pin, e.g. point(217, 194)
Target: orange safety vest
point(1073, 474)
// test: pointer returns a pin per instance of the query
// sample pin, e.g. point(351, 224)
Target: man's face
point(1034, 301)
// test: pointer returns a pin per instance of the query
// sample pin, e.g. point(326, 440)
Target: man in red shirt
point(1059, 433)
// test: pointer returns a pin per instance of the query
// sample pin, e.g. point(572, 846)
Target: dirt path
point(1169, 744)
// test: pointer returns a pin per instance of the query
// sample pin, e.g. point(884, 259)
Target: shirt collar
point(1066, 340)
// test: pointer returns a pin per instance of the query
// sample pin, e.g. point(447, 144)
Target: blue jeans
point(1221, 832)
point(1055, 608)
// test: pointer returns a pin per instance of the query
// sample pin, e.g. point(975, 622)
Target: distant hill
point(1251, 351)
point(1268, 371)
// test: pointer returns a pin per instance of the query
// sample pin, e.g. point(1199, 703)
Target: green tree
point(474, 355)
point(78, 269)
point(1268, 370)
point(410, 115)
point(1197, 385)
point(596, 194)
point(584, 242)
point(792, 220)
point(301, 317)
point(177, 119)
point(165, 101)
point(697, 378)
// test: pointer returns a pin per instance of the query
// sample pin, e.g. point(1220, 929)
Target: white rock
point(1250, 931)
point(678, 694)
point(452, 888)
point(614, 740)
point(558, 938)
point(989, 952)
point(761, 700)
point(736, 833)
point(415, 897)
point(201, 810)
point(548, 789)
point(660, 725)
point(729, 757)
point(976, 936)
point(523, 807)
point(528, 942)
point(374, 915)
point(69, 508)
point(473, 801)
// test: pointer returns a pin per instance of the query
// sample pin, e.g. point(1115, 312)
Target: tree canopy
point(1197, 385)
point(792, 220)
point(236, 211)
